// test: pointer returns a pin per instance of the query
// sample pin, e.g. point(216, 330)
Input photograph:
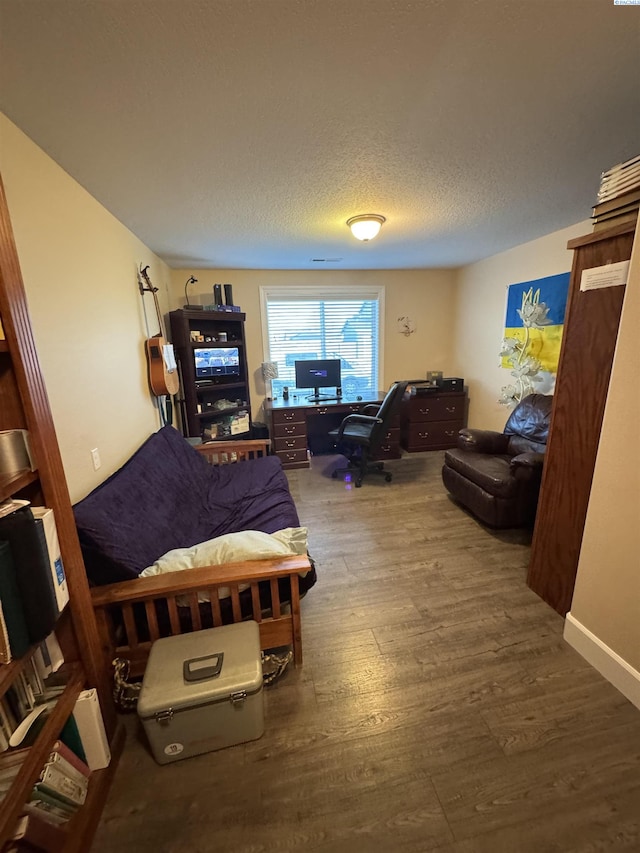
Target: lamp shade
point(366, 226)
point(269, 370)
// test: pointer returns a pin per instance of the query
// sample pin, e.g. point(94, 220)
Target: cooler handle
point(199, 669)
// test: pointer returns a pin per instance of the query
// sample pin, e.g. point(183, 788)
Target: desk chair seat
point(360, 435)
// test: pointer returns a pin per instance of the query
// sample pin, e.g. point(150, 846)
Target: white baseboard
point(608, 663)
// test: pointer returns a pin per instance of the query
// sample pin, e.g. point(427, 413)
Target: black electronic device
point(318, 373)
point(215, 362)
point(452, 383)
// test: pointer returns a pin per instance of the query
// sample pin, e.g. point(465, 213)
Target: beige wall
point(427, 296)
point(606, 598)
point(481, 296)
point(79, 269)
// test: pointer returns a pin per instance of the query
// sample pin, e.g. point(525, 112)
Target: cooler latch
point(164, 716)
point(238, 697)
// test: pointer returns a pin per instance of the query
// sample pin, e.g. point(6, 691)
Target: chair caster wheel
point(358, 483)
point(334, 475)
point(387, 478)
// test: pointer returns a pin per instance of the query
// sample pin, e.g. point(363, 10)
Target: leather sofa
point(496, 475)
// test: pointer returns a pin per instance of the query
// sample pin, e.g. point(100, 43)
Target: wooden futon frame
point(127, 612)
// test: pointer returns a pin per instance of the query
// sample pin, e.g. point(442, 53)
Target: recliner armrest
point(527, 460)
point(482, 441)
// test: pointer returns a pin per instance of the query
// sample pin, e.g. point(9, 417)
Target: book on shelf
point(629, 197)
point(45, 516)
point(88, 718)
point(55, 782)
point(48, 656)
point(14, 619)
point(34, 831)
point(621, 167)
point(70, 736)
point(26, 538)
point(50, 803)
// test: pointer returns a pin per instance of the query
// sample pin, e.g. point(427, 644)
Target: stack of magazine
point(619, 195)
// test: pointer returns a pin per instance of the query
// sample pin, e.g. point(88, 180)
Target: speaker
point(228, 294)
point(217, 294)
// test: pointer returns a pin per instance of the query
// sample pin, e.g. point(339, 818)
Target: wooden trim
point(597, 236)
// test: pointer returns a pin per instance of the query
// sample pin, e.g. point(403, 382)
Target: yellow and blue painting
point(544, 343)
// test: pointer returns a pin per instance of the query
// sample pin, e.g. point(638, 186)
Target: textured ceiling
point(243, 133)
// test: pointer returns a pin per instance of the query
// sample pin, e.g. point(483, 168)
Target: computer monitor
point(216, 362)
point(318, 373)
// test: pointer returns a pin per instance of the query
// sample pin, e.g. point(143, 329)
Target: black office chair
point(360, 435)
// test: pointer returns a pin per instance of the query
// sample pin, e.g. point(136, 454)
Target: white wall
point(427, 296)
point(606, 599)
point(481, 295)
point(79, 270)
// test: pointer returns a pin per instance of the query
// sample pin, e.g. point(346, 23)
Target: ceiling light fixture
point(366, 226)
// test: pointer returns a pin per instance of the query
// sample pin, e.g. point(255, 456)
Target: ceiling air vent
point(325, 260)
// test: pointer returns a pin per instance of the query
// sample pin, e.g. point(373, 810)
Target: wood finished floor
point(438, 707)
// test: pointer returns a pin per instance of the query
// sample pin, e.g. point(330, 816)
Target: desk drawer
point(287, 416)
point(390, 447)
point(289, 430)
point(293, 458)
point(431, 435)
point(297, 442)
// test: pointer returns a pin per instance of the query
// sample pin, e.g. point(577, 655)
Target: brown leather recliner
point(496, 475)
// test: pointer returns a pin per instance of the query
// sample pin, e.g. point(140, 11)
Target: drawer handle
point(288, 416)
point(450, 432)
point(291, 444)
point(423, 435)
point(322, 411)
point(291, 457)
point(289, 430)
point(452, 409)
point(424, 411)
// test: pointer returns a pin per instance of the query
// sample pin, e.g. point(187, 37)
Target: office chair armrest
point(370, 409)
point(357, 419)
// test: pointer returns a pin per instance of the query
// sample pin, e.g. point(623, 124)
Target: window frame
point(314, 292)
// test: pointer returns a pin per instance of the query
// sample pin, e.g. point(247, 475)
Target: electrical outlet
point(95, 457)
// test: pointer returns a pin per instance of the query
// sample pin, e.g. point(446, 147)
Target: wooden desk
point(297, 426)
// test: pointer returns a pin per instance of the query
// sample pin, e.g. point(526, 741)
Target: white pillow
point(231, 548)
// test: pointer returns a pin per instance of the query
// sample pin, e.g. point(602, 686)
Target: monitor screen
point(216, 361)
point(318, 373)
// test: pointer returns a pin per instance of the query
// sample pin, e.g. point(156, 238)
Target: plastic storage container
point(203, 691)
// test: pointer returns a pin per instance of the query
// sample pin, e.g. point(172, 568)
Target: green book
point(71, 737)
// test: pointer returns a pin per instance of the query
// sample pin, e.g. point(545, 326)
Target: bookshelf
point(24, 405)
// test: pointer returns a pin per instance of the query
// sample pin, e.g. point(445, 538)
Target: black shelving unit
point(217, 407)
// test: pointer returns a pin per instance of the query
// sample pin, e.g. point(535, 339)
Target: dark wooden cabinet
point(582, 383)
point(24, 405)
point(430, 421)
point(215, 406)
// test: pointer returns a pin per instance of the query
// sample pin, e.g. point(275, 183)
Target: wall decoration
point(406, 326)
point(533, 335)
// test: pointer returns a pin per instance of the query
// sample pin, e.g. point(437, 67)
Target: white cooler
point(203, 691)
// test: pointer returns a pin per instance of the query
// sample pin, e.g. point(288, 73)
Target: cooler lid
point(201, 668)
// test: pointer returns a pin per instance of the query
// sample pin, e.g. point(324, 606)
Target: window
point(301, 323)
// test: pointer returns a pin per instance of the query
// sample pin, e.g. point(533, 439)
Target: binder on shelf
point(45, 516)
point(11, 602)
point(70, 736)
point(54, 781)
point(88, 718)
point(31, 558)
point(69, 764)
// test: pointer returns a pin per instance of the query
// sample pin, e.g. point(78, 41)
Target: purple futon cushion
point(167, 496)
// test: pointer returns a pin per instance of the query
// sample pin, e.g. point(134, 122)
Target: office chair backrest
point(387, 411)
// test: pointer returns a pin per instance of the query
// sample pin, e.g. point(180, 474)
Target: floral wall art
point(533, 335)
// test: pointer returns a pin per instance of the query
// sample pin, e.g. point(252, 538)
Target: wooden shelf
point(10, 484)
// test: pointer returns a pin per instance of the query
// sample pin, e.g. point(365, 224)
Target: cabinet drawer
point(436, 435)
point(289, 430)
point(287, 416)
point(436, 409)
point(297, 442)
